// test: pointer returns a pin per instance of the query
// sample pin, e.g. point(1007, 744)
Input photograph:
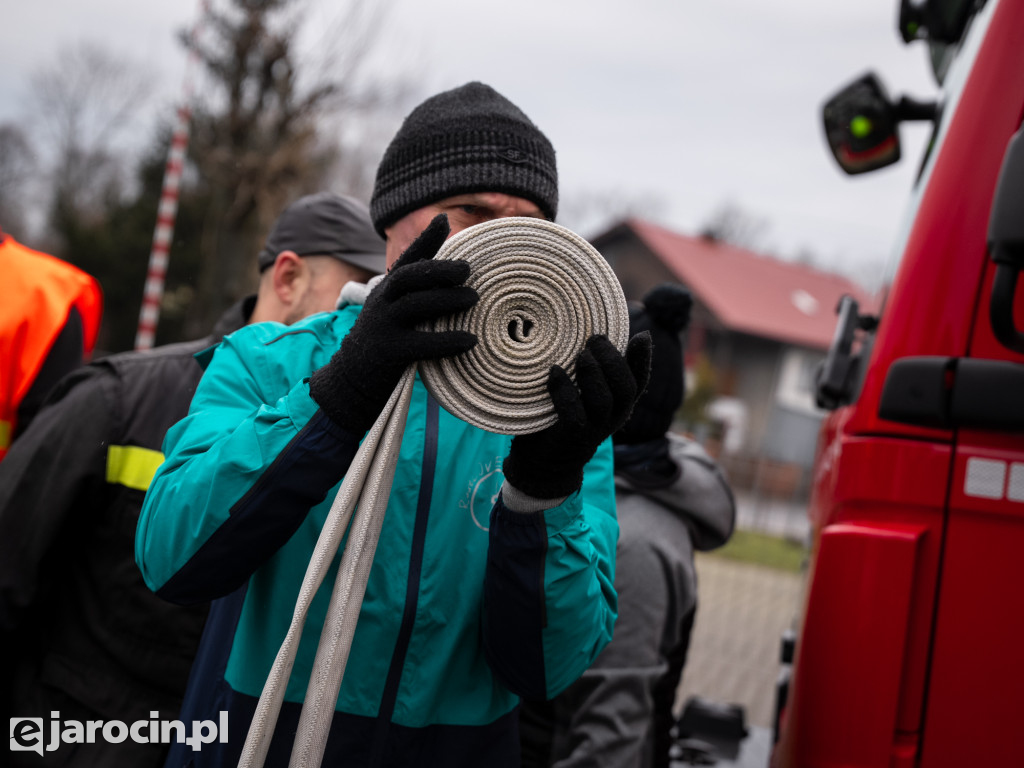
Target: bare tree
point(591, 211)
point(17, 169)
point(85, 101)
point(257, 135)
point(367, 106)
point(731, 224)
point(358, 138)
point(734, 225)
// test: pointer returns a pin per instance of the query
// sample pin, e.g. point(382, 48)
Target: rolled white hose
point(544, 291)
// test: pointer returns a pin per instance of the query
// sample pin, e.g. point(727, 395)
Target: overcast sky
point(676, 106)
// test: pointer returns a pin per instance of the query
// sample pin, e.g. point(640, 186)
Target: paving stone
point(742, 612)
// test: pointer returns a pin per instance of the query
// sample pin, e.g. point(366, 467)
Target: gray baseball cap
point(326, 224)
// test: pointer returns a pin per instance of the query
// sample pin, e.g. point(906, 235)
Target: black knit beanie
point(665, 313)
point(468, 139)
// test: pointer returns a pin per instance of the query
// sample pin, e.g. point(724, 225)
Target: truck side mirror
point(1006, 243)
point(938, 22)
point(861, 124)
point(912, 24)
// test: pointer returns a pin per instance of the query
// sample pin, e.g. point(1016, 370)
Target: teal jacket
point(469, 604)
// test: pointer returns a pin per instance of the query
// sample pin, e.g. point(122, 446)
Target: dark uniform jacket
point(84, 635)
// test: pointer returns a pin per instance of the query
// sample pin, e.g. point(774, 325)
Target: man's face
point(463, 211)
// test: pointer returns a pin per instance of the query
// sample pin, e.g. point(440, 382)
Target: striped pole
point(149, 314)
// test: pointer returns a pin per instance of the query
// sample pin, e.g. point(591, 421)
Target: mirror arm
point(867, 323)
point(911, 109)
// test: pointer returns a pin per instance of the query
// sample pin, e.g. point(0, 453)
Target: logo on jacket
point(482, 492)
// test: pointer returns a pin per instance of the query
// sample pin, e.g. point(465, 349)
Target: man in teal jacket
point(493, 577)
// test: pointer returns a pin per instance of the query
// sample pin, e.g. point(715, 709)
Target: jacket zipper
point(412, 590)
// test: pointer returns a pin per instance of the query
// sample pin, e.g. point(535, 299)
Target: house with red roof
point(764, 325)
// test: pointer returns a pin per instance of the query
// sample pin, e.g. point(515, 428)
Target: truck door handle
point(954, 392)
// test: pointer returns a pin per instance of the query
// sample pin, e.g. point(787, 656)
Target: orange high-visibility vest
point(37, 292)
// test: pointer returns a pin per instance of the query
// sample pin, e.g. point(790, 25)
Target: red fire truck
point(910, 650)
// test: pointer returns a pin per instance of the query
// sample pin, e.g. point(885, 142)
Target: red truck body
point(911, 645)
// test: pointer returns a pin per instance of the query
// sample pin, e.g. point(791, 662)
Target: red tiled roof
point(754, 294)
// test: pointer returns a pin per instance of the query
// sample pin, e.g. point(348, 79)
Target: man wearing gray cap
point(84, 635)
point(462, 614)
point(317, 245)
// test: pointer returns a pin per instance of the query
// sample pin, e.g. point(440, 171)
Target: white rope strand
point(370, 453)
point(350, 586)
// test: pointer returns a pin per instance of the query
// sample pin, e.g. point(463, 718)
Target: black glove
point(355, 385)
point(549, 464)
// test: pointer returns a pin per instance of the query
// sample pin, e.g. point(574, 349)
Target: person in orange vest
point(49, 320)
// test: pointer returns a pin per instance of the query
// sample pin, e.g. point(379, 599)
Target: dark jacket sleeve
point(49, 477)
point(549, 599)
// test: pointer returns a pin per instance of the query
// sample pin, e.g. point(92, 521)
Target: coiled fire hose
point(543, 292)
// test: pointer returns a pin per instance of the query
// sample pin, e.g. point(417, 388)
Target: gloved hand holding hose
point(355, 385)
point(549, 464)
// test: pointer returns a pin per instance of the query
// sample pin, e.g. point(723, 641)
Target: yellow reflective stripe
point(5, 434)
point(132, 466)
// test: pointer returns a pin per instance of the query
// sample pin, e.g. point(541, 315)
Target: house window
point(796, 379)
